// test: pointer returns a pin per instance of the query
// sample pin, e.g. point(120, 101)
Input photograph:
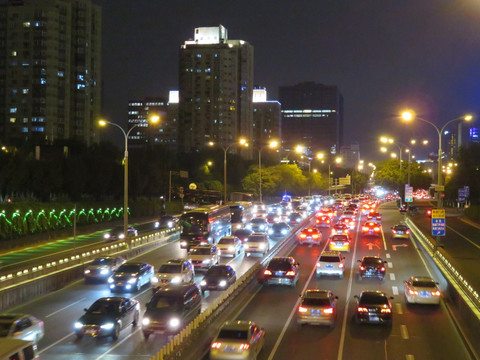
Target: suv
point(317, 307)
point(330, 263)
point(171, 308)
point(258, 225)
point(256, 243)
point(311, 236)
point(372, 267)
point(373, 307)
point(229, 245)
point(203, 256)
point(282, 271)
point(174, 271)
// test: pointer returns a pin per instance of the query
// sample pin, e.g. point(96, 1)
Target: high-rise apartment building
point(215, 84)
point(312, 115)
point(267, 116)
point(140, 113)
point(49, 70)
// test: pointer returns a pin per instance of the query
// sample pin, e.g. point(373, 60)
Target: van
point(171, 308)
point(15, 349)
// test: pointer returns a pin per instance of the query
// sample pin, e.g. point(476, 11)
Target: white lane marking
point(349, 294)
point(292, 313)
point(55, 343)
point(399, 308)
point(409, 357)
point(464, 237)
point(392, 276)
point(387, 255)
point(56, 312)
point(390, 264)
point(383, 237)
point(395, 290)
point(117, 344)
point(404, 332)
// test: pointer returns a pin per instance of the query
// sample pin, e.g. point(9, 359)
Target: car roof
point(209, 246)
point(220, 266)
point(330, 253)
point(237, 325)
point(176, 290)
point(373, 293)
point(113, 299)
point(11, 316)
point(316, 294)
point(422, 278)
point(174, 262)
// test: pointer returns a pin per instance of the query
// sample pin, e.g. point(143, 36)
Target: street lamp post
point(125, 166)
point(392, 142)
point(407, 116)
point(273, 144)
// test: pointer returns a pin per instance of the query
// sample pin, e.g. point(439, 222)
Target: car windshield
point(279, 226)
point(104, 307)
point(102, 261)
point(401, 227)
point(254, 238)
point(424, 283)
point(163, 303)
point(258, 221)
point(372, 261)
point(325, 258)
point(117, 229)
point(170, 269)
point(279, 265)
point(5, 328)
point(373, 299)
point(216, 271)
point(129, 268)
point(315, 302)
point(242, 232)
point(200, 251)
point(339, 238)
point(226, 241)
point(227, 334)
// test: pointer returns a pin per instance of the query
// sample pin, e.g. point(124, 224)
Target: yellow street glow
point(407, 115)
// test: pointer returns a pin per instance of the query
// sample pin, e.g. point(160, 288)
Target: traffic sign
point(408, 193)
point(462, 194)
point(345, 180)
point(467, 191)
point(192, 186)
point(439, 188)
point(438, 222)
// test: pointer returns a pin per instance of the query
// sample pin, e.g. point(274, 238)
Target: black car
point(295, 218)
point(373, 307)
point(171, 308)
point(282, 271)
point(117, 233)
point(131, 276)
point(166, 222)
point(372, 267)
point(279, 229)
point(242, 234)
point(218, 277)
point(107, 316)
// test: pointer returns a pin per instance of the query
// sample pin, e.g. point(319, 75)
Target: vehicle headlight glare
point(78, 325)
point(110, 280)
point(174, 323)
point(145, 321)
point(262, 246)
point(108, 326)
point(157, 225)
point(284, 231)
point(103, 271)
point(87, 271)
point(154, 280)
point(183, 243)
point(222, 283)
point(245, 246)
point(231, 248)
point(106, 236)
point(203, 283)
point(206, 261)
point(262, 227)
point(270, 231)
point(132, 280)
point(121, 236)
point(176, 280)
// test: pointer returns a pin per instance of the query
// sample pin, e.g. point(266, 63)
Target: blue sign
point(474, 135)
point(467, 191)
point(438, 226)
point(408, 193)
point(461, 195)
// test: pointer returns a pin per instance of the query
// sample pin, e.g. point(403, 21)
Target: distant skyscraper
point(140, 113)
point(266, 118)
point(350, 156)
point(216, 84)
point(473, 135)
point(312, 115)
point(50, 52)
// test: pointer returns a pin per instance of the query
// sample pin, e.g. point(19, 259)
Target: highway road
point(417, 332)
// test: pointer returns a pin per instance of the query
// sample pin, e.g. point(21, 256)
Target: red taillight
point(376, 229)
point(267, 272)
point(364, 228)
point(290, 273)
point(315, 236)
point(436, 293)
point(216, 345)
point(362, 309)
point(317, 221)
point(407, 232)
point(328, 310)
point(386, 311)
point(340, 266)
point(244, 346)
point(362, 267)
point(310, 230)
point(345, 243)
point(394, 231)
point(382, 268)
point(328, 221)
point(303, 236)
point(302, 309)
point(412, 292)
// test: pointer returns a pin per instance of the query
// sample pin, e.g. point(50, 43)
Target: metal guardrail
point(16, 278)
point(174, 348)
point(469, 294)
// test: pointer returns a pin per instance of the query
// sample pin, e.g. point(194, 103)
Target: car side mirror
point(391, 298)
point(359, 261)
point(336, 297)
point(355, 297)
point(85, 309)
point(384, 261)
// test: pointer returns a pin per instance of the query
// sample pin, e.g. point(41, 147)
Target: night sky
point(383, 55)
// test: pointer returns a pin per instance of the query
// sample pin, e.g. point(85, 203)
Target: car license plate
point(424, 294)
point(89, 331)
point(400, 232)
point(279, 273)
point(370, 231)
point(316, 311)
point(374, 318)
point(329, 266)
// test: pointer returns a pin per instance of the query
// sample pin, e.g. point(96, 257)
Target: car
point(261, 214)
point(173, 271)
point(282, 271)
point(349, 214)
point(273, 218)
point(339, 243)
point(203, 256)
point(373, 307)
point(101, 268)
point(330, 263)
point(218, 277)
point(317, 307)
point(422, 290)
point(371, 228)
point(131, 276)
point(400, 231)
point(21, 326)
point(310, 236)
point(279, 229)
point(374, 216)
point(107, 316)
point(340, 229)
point(117, 233)
point(349, 222)
point(229, 245)
point(429, 212)
point(242, 234)
point(166, 222)
point(372, 267)
point(258, 225)
point(295, 218)
point(323, 221)
point(237, 340)
point(15, 349)
point(256, 243)
point(171, 308)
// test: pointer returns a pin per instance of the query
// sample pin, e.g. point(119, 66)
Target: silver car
point(21, 326)
point(174, 271)
point(422, 290)
point(256, 243)
point(237, 340)
point(229, 245)
point(102, 268)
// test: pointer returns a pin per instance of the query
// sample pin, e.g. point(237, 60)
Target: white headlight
point(78, 325)
point(170, 224)
point(222, 283)
point(206, 261)
point(245, 246)
point(270, 231)
point(249, 226)
point(121, 236)
point(157, 224)
point(145, 321)
point(154, 280)
point(231, 248)
point(183, 243)
point(87, 271)
point(262, 246)
point(284, 231)
point(104, 271)
point(107, 326)
point(110, 280)
point(106, 236)
point(176, 280)
point(132, 280)
point(203, 283)
point(174, 323)
point(262, 227)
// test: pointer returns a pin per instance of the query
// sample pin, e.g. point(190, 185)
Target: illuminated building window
point(13, 110)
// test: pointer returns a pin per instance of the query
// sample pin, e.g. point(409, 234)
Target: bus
point(241, 213)
point(205, 225)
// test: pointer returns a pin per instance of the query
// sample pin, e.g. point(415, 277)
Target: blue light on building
point(474, 135)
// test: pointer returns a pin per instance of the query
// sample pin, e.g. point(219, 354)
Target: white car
point(21, 326)
point(422, 290)
point(256, 243)
point(174, 271)
point(203, 256)
point(330, 263)
point(229, 245)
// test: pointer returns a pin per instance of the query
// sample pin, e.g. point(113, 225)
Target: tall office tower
point(49, 70)
point(473, 135)
point(139, 115)
point(267, 118)
point(451, 149)
point(312, 115)
point(216, 84)
point(350, 155)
